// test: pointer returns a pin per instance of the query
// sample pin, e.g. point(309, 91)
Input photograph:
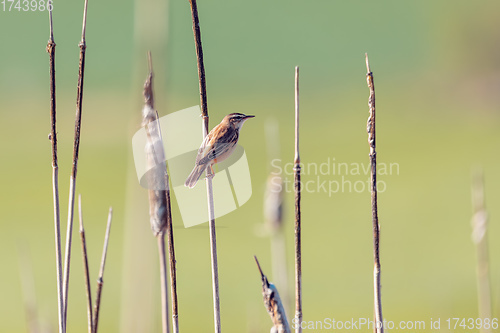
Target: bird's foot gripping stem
point(210, 172)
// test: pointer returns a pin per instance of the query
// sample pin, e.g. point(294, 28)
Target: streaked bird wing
point(211, 148)
point(204, 150)
point(218, 150)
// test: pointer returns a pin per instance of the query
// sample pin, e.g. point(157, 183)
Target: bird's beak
point(248, 117)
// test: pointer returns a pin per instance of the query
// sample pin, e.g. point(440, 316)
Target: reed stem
point(211, 215)
point(298, 226)
point(100, 280)
point(51, 49)
point(171, 257)
point(163, 281)
point(377, 295)
point(85, 267)
point(76, 149)
point(159, 208)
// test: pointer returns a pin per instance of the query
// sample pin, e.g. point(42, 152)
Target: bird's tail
point(195, 175)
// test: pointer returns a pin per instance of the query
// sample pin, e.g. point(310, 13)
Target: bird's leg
point(212, 165)
point(211, 173)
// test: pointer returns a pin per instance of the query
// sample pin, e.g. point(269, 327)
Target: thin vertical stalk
point(51, 49)
point(211, 215)
point(157, 179)
point(213, 253)
point(201, 65)
point(171, 256)
point(378, 327)
point(85, 267)
point(480, 239)
point(163, 281)
point(76, 148)
point(298, 227)
point(100, 280)
point(169, 227)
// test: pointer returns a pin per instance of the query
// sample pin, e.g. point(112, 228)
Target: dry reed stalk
point(298, 226)
point(100, 280)
point(157, 197)
point(159, 201)
point(168, 231)
point(273, 304)
point(85, 266)
point(171, 255)
point(480, 239)
point(210, 198)
point(163, 281)
point(138, 304)
point(51, 49)
point(378, 327)
point(173, 271)
point(76, 149)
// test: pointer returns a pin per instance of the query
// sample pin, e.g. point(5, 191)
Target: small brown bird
point(218, 145)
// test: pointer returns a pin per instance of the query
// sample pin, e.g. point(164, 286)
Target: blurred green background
point(437, 80)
